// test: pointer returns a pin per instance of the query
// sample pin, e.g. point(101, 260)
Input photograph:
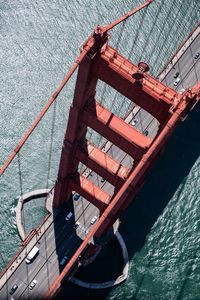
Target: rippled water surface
point(39, 42)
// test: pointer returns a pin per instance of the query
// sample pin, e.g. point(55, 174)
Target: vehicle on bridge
point(176, 75)
point(69, 215)
point(32, 255)
point(77, 224)
point(176, 82)
point(94, 219)
point(13, 289)
point(64, 260)
point(76, 196)
point(33, 283)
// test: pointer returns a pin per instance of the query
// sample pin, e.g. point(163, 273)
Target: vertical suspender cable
point(51, 143)
point(152, 29)
point(131, 51)
point(167, 34)
point(20, 173)
point(178, 37)
point(144, 12)
point(117, 46)
point(104, 88)
point(20, 184)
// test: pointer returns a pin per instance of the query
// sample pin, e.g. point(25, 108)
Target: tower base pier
point(109, 283)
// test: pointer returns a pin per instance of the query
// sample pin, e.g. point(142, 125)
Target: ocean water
point(39, 43)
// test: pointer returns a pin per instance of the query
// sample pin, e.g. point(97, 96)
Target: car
point(176, 82)
point(77, 224)
point(196, 55)
point(182, 91)
point(146, 132)
point(176, 75)
point(69, 216)
point(63, 261)
point(33, 283)
point(134, 121)
point(13, 289)
point(76, 197)
point(94, 219)
point(32, 255)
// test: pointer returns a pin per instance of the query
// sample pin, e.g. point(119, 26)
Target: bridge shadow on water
point(163, 180)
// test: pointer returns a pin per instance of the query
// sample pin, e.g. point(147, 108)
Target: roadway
point(187, 66)
point(61, 238)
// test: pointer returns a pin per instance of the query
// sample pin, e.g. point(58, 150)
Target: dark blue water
point(39, 42)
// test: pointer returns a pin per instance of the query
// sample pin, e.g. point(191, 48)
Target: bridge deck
point(61, 238)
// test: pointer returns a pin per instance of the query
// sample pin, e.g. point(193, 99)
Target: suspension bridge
point(97, 179)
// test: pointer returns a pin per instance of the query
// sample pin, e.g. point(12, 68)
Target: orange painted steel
point(90, 191)
point(195, 91)
point(99, 161)
point(179, 108)
point(84, 90)
point(150, 84)
point(111, 212)
point(99, 61)
point(125, 17)
point(162, 102)
point(168, 106)
point(149, 93)
point(116, 130)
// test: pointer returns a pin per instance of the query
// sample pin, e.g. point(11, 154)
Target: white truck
point(32, 255)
